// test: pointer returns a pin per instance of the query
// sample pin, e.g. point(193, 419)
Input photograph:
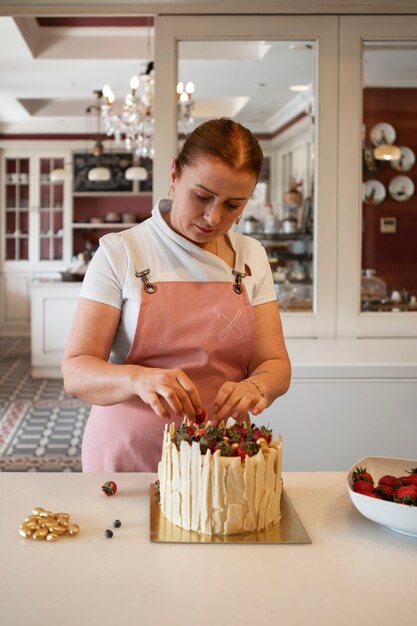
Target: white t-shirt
point(111, 279)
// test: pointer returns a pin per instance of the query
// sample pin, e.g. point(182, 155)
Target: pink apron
point(205, 328)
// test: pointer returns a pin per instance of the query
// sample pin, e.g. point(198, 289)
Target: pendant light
point(98, 173)
point(61, 174)
point(387, 151)
point(135, 172)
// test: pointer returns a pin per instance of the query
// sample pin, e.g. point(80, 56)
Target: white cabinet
point(15, 303)
point(53, 305)
point(35, 214)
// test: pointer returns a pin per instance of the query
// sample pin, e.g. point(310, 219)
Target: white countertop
point(353, 358)
point(354, 572)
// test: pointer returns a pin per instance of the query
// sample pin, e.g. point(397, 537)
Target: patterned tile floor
point(41, 427)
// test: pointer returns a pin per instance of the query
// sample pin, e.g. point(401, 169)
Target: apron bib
point(205, 328)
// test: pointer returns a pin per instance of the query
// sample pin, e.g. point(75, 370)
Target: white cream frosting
point(218, 495)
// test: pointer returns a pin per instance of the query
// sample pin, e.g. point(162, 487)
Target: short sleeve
point(106, 272)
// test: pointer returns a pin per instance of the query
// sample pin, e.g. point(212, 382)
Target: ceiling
point(50, 67)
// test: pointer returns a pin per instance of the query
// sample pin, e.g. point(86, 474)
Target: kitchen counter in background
point(353, 572)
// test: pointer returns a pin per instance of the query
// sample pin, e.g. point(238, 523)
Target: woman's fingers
point(236, 400)
point(169, 393)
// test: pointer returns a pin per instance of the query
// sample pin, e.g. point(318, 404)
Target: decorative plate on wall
point(401, 188)
point(374, 192)
point(406, 160)
point(382, 133)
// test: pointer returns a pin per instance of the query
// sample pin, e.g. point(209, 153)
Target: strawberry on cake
point(220, 480)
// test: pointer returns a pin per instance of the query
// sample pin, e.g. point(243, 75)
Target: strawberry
point(109, 488)
point(387, 480)
point(200, 417)
point(246, 448)
point(406, 495)
point(401, 481)
point(360, 473)
point(385, 491)
point(364, 487)
point(412, 478)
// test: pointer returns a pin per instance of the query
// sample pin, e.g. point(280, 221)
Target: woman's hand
point(236, 400)
point(88, 374)
point(170, 393)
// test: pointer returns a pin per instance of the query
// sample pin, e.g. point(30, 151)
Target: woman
point(178, 315)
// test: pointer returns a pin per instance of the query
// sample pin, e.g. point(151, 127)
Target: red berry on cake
point(200, 417)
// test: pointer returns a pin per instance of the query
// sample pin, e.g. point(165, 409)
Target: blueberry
point(108, 533)
point(117, 523)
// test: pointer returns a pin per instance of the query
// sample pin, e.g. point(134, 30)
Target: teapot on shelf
point(294, 196)
point(271, 223)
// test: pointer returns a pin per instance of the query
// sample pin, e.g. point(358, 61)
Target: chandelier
point(134, 121)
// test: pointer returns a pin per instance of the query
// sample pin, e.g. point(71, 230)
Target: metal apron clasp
point(237, 285)
point(148, 286)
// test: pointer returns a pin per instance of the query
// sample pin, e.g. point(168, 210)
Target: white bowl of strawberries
point(384, 489)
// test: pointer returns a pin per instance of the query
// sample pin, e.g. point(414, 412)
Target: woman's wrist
point(257, 385)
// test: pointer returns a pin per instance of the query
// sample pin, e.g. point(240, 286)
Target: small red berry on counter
point(109, 488)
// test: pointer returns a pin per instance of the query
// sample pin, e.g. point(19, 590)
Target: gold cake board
point(289, 530)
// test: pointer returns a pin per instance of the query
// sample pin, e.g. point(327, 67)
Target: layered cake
point(220, 480)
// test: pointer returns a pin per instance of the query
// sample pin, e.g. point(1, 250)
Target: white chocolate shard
point(249, 493)
point(195, 478)
point(234, 482)
point(234, 522)
point(176, 484)
point(218, 493)
point(205, 496)
point(259, 481)
point(185, 463)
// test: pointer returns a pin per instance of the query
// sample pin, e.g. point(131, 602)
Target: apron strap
point(141, 270)
point(239, 269)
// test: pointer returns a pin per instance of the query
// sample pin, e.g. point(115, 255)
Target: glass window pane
point(389, 209)
point(269, 87)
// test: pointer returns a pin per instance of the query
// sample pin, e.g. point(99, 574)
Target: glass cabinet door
point(16, 203)
point(51, 211)
point(389, 202)
point(377, 275)
point(266, 59)
point(269, 86)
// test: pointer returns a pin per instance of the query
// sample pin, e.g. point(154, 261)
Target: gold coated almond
point(37, 510)
point(62, 521)
point(25, 532)
point(66, 515)
point(60, 530)
point(40, 534)
point(32, 525)
point(45, 521)
point(46, 514)
point(30, 518)
point(52, 537)
point(73, 529)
